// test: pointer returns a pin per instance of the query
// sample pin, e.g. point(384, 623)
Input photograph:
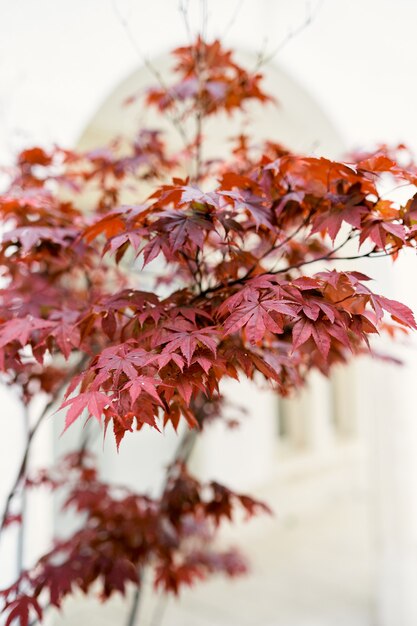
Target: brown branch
point(134, 608)
point(31, 434)
point(272, 248)
point(326, 257)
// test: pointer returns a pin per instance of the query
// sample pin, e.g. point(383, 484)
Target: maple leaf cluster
point(241, 304)
point(209, 78)
point(123, 532)
point(139, 310)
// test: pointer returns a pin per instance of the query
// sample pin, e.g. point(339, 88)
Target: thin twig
point(183, 8)
point(274, 247)
point(204, 19)
point(20, 547)
point(198, 149)
point(267, 58)
point(232, 20)
point(182, 453)
point(199, 115)
point(31, 434)
point(326, 257)
point(159, 611)
point(173, 119)
point(133, 613)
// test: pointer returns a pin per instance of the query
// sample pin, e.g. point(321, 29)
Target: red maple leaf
point(93, 401)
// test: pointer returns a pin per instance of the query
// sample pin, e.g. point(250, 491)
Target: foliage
point(224, 292)
point(123, 531)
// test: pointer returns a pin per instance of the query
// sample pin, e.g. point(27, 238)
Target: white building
point(340, 464)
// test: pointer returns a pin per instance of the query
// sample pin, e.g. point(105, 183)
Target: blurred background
point(338, 464)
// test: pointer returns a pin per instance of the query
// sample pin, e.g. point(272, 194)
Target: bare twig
point(198, 150)
point(232, 20)
point(134, 608)
point(199, 107)
point(159, 611)
point(183, 8)
point(264, 58)
point(175, 120)
point(204, 19)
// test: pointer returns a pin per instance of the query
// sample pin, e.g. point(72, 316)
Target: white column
point(318, 407)
point(391, 397)
point(344, 383)
point(395, 472)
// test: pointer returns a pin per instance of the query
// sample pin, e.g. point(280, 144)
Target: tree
point(232, 244)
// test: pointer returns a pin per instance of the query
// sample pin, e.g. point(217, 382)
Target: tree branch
point(173, 119)
point(20, 544)
point(182, 453)
point(326, 257)
point(309, 19)
point(31, 434)
point(232, 20)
